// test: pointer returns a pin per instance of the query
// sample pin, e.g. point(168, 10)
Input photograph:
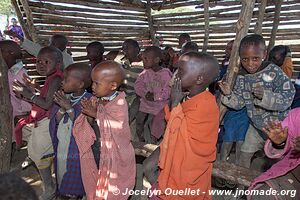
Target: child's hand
point(258, 92)
point(89, 107)
point(276, 133)
point(22, 90)
point(150, 96)
point(61, 99)
point(176, 93)
point(225, 88)
point(31, 83)
point(297, 145)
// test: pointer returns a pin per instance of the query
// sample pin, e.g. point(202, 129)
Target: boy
point(262, 88)
point(57, 40)
point(152, 86)
point(183, 38)
point(66, 153)
point(117, 159)
point(95, 52)
point(12, 55)
point(36, 125)
point(188, 149)
point(189, 47)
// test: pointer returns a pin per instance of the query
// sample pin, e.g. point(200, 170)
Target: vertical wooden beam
point(275, 24)
point(29, 20)
point(6, 124)
point(20, 19)
point(260, 18)
point(154, 41)
point(242, 28)
point(206, 26)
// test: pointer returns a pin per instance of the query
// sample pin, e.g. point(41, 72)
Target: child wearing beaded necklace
point(66, 159)
point(109, 110)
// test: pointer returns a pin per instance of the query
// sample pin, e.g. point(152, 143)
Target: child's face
point(129, 50)
point(149, 59)
point(252, 57)
point(7, 55)
point(188, 77)
point(93, 53)
point(71, 83)
point(101, 86)
point(45, 64)
point(57, 43)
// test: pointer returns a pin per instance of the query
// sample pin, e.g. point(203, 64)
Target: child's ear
point(81, 85)
point(200, 80)
point(114, 85)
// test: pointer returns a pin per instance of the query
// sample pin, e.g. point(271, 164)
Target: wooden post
point(275, 24)
point(6, 124)
point(206, 26)
point(20, 18)
point(260, 18)
point(29, 20)
point(154, 41)
point(242, 28)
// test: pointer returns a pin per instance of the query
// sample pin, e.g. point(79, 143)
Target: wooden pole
point(6, 124)
point(275, 24)
point(155, 42)
point(29, 20)
point(242, 28)
point(206, 26)
point(20, 18)
point(260, 18)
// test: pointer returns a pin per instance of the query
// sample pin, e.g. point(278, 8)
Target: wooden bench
point(221, 169)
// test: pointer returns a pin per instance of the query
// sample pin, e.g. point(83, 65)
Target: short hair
point(132, 43)
point(14, 187)
point(185, 35)
point(252, 40)
point(54, 51)
point(10, 44)
point(190, 46)
point(278, 53)
point(97, 45)
point(62, 38)
point(156, 50)
point(84, 70)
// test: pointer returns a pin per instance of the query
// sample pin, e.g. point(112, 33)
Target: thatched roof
point(113, 21)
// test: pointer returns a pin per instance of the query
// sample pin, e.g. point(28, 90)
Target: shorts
point(40, 148)
point(253, 141)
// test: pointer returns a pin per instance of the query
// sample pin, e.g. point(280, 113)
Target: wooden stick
point(6, 124)
point(29, 18)
point(206, 26)
point(275, 24)
point(150, 23)
point(261, 13)
point(242, 28)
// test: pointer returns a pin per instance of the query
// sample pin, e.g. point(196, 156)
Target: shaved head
point(81, 72)
point(112, 70)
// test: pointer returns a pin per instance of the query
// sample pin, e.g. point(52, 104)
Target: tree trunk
point(242, 28)
point(260, 18)
point(6, 124)
point(206, 26)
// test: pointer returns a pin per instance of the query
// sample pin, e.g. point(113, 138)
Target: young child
point(152, 86)
point(109, 109)
point(189, 145)
point(189, 47)
point(262, 88)
point(57, 40)
point(12, 55)
point(77, 77)
point(95, 51)
point(36, 125)
point(183, 38)
point(281, 56)
point(284, 144)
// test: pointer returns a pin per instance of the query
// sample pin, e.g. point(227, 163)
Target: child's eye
point(255, 59)
point(46, 62)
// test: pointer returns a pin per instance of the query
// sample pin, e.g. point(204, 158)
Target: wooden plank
point(206, 26)
point(29, 19)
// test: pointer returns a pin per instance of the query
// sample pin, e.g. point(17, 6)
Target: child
point(167, 60)
point(262, 88)
point(117, 159)
point(152, 86)
point(95, 52)
point(12, 55)
point(188, 148)
point(66, 153)
point(183, 38)
point(189, 47)
point(57, 40)
point(284, 144)
point(36, 125)
point(281, 56)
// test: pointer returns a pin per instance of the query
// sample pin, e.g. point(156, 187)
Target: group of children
point(84, 118)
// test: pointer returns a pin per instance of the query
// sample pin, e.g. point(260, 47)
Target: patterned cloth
point(70, 182)
point(16, 29)
point(277, 98)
